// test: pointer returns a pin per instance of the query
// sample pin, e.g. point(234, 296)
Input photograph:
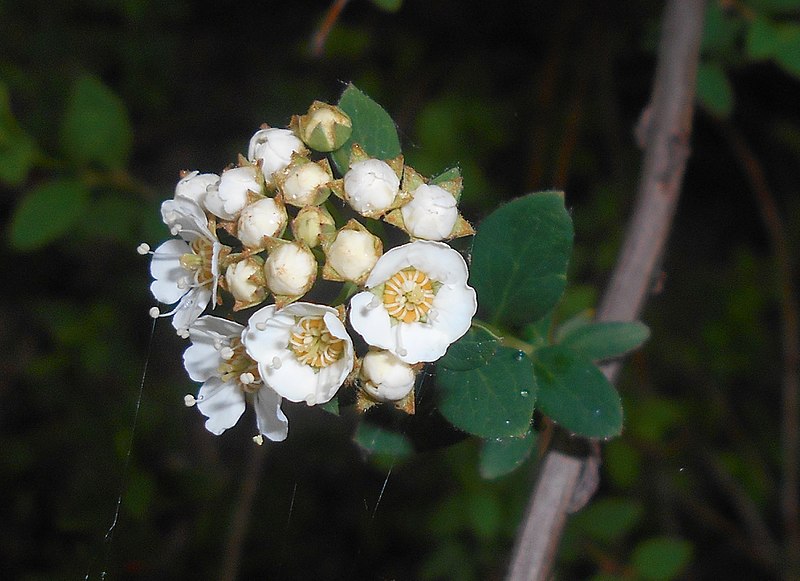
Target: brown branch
point(321, 35)
point(790, 430)
point(666, 137)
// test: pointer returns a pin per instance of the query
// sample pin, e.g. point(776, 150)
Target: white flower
point(193, 185)
point(217, 358)
point(274, 147)
point(418, 301)
point(262, 219)
point(245, 280)
point(302, 185)
point(290, 269)
point(186, 271)
point(371, 186)
point(303, 351)
point(431, 214)
point(352, 254)
point(230, 195)
point(385, 377)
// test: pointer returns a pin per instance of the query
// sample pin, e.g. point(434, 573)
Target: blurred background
point(523, 96)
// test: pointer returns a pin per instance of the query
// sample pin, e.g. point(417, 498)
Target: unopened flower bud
point(260, 220)
point(305, 184)
point(312, 224)
point(352, 254)
point(193, 185)
point(245, 280)
point(290, 269)
point(325, 127)
point(431, 214)
point(230, 195)
point(274, 147)
point(371, 186)
point(386, 378)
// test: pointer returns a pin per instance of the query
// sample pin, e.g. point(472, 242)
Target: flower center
point(408, 295)
point(236, 363)
point(200, 261)
point(313, 343)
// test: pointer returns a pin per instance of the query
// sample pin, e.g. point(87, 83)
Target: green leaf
point(373, 129)
point(608, 519)
point(776, 7)
point(714, 90)
point(495, 400)
point(96, 128)
point(47, 212)
point(788, 51)
point(597, 341)
point(519, 258)
point(575, 393)
point(377, 440)
point(388, 5)
point(661, 559)
point(447, 175)
point(762, 39)
point(501, 456)
point(475, 349)
point(18, 151)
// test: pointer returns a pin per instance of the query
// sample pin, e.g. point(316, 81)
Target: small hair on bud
point(154, 312)
point(259, 439)
point(189, 400)
point(143, 248)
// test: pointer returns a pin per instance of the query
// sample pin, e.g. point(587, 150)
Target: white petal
point(202, 359)
point(292, 380)
point(222, 403)
point(190, 307)
point(372, 323)
point(167, 258)
point(167, 291)
point(187, 216)
point(270, 419)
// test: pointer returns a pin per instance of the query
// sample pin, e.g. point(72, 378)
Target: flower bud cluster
point(266, 234)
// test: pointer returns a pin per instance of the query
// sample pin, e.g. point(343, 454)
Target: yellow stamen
point(408, 295)
point(238, 364)
point(313, 343)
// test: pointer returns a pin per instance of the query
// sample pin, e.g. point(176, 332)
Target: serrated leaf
point(377, 440)
point(598, 341)
point(661, 558)
point(495, 400)
point(714, 90)
point(473, 350)
point(47, 212)
point(501, 456)
point(519, 258)
point(575, 394)
point(373, 129)
point(96, 128)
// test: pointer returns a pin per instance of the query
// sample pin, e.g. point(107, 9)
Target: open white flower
point(274, 147)
point(417, 303)
point(186, 271)
point(303, 350)
point(218, 360)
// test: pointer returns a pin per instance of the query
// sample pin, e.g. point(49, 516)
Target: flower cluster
point(262, 234)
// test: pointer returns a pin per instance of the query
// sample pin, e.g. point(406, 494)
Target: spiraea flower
point(233, 192)
point(417, 301)
point(193, 185)
point(303, 350)
point(261, 220)
point(230, 377)
point(290, 270)
point(324, 128)
point(371, 186)
point(245, 281)
point(383, 377)
point(305, 183)
point(273, 148)
point(351, 254)
point(186, 271)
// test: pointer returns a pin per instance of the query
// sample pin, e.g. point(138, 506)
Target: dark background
point(527, 96)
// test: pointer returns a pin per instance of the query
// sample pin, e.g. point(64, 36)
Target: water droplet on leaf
point(519, 356)
point(524, 393)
